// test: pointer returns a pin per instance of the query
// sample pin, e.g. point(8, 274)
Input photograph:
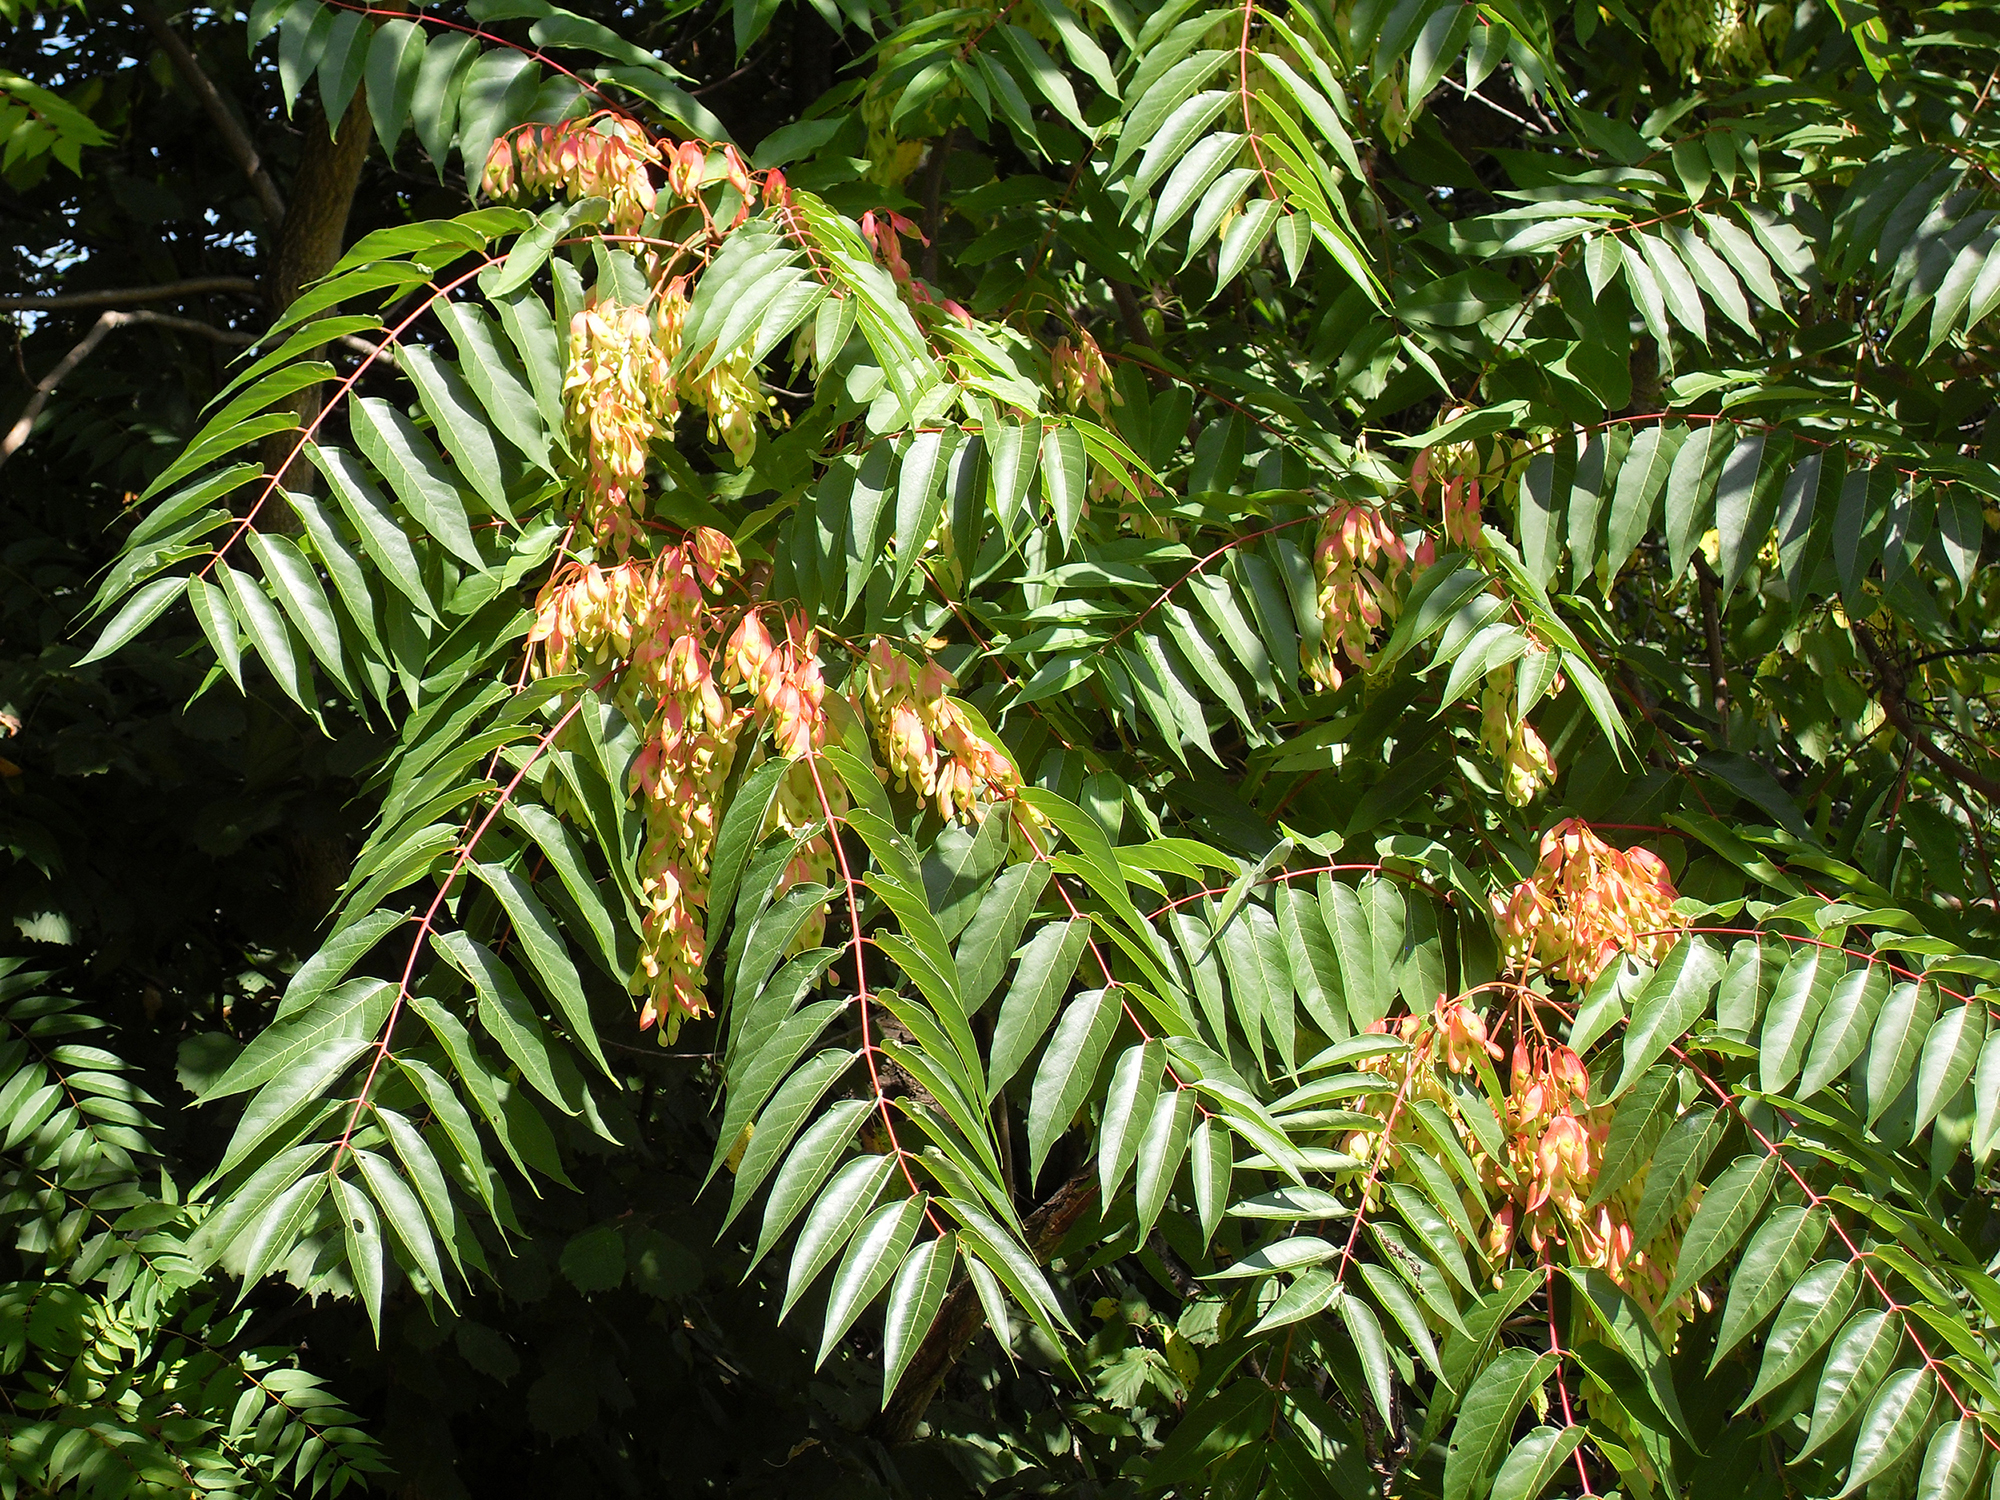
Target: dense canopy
point(1102, 749)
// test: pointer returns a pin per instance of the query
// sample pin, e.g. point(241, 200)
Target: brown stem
point(934, 203)
point(1711, 624)
point(1889, 690)
point(46, 386)
point(1131, 314)
point(960, 1318)
point(234, 138)
point(1178, 1272)
point(194, 286)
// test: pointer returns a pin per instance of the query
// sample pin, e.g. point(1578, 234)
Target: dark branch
point(1889, 689)
point(166, 291)
point(46, 386)
point(234, 138)
point(960, 1318)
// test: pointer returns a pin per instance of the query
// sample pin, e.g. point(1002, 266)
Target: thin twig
point(46, 386)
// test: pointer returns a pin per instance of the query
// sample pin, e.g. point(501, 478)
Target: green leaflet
point(542, 943)
point(1677, 1165)
point(913, 1306)
point(1355, 948)
point(138, 612)
point(1606, 1000)
point(755, 1076)
point(873, 1256)
point(920, 496)
point(1950, 1052)
point(1860, 1357)
point(1893, 1424)
point(1844, 1027)
point(1486, 1419)
point(1161, 1149)
point(1315, 968)
point(427, 1176)
point(1675, 997)
point(1953, 1461)
point(1211, 1157)
point(1128, 1107)
point(274, 1234)
point(1728, 1208)
point(1535, 1462)
point(279, 1103)
point(741, 828)
point(1041, 976)
point(1260, 979)
point(299, 594)
point(805, 1168)
point(1010, 1263)
point(1068, 1069)
point(362, 1231)
point(1365, 1329)
point(406, 459)
point(506, 1014)
point(355, 1009)
point(777, 1125)
point(1628, 1328)
point(1642, 1119)
point(1986, 1097)
point(1312, 1292)
point(1794, 1010)
point(989, 940)
point(400, 1206)
point(1900, 1031)
point(1771, 1267)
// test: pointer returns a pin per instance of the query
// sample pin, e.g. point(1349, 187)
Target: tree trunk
point(309, 242)
point(960, 1318)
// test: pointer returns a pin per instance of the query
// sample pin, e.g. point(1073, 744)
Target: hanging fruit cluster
point(651, 632)
point(626, 380)
point(602, 157)
point(648, 632)
point(1532, 1200)
point(928, 741)
point(1526, 765)
point(1585, 904)
point(1463, 476)
point(619, 395)
point(1362, 565)
point(716, 687)
point(1463, 473)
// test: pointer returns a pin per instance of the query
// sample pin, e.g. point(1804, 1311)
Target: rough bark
point(309, 242)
